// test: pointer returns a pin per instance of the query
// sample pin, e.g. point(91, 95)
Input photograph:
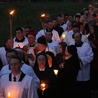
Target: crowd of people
point(65, 44)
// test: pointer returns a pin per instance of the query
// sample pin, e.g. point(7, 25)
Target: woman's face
point(60, 49)
point(67, 53)
point(91, 30)
point(41, 61)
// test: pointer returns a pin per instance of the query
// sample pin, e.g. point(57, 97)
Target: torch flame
point(12, 12)
point(43, 15)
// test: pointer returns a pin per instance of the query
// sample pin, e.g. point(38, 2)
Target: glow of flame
point(9, 95)
point(42, 15)
point(63, 36)
point(55, 71)
point(12, 12)
point(43, 86)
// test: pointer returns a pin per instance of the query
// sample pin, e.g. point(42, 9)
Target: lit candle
point(55, 71)
point(43, 87)
point(63, 36)
point(9, 95)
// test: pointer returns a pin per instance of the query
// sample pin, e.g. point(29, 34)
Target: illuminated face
point(19, 34)
point(9, 44)
point(40, 47)
point(31, 39)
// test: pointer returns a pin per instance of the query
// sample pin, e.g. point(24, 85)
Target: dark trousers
point(83, 89)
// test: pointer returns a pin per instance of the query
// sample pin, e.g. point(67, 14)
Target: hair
point(19, 28)
point(17, 57)
point(36, 61)
point(20, 52)
point(76, 33)
point(63, 45)
point(12, 50)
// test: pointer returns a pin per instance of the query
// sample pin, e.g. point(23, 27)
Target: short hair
point(19, 28)
point(17, 57)
point(11, 50)
point(76, 33)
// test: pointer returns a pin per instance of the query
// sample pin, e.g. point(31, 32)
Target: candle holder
point(55, 72)
point(10, 18)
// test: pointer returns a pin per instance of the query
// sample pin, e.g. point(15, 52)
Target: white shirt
point(17, 77)
point(54, 45)
point(70, 41)
point(25, 69)
point(55, 36)
point(3, 55)
point(20, 44)
point(22, 89)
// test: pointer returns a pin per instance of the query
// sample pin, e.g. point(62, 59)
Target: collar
point(32, 45)
point(50, 41)
point(48, 30)
point(17, 76)
point(79, 44)
point(67, 57)
point(42, 69)
point(17, 40)
point(20, 78)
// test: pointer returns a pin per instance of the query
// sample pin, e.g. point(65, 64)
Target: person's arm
point(32, 91)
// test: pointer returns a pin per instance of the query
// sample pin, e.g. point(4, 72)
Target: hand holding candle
point(43, 86)
point(63, 36)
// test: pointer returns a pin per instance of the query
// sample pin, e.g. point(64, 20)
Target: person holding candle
point(25, 68)
point(46, 76)
point(19, 40)
point(67, 76)
point(17, 84)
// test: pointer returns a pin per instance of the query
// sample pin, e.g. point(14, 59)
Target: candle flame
point(9, 95)
point(12, 12)
point(63, 36)
point(43, 15)
point(43, 86)
point(55, 71)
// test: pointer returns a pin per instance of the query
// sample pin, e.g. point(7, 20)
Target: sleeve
point(36, 79)
point(32, 91)
point(88, 54)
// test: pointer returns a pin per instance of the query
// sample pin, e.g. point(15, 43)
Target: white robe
point(55, 36)
point(22, 89)
point(70, 41)
point(54, 45)
point(20, 44)
point(3, 55)
point(86, 55)
point(25, 69)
